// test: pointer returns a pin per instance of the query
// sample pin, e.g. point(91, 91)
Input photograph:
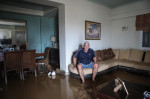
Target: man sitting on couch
point(85, 57)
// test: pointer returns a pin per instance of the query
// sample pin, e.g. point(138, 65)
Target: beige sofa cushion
point(147, 57)
point(142, 66)
point(126, 63)
point(116, 52)
point(136, 55)
point(113, 62)
point(102, 67)
point(71, 69)
point(124, 53)
point(88, 70)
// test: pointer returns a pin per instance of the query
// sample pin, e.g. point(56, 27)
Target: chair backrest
point(23, 47)
point(28, 58)
point(47, 53)
point(12, 60)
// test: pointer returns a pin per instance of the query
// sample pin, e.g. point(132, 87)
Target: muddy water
point(60, 87)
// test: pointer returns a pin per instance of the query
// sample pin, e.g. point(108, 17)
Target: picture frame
point(92, 30)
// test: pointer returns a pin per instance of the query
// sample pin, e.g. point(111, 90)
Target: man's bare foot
point(83, 85)
point(93, 81)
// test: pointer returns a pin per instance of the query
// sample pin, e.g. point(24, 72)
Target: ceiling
point(113, 3)
point(27, 5)
point(50, 11)
point(24, 7)
point(12, 22)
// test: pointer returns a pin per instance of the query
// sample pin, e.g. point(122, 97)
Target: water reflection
point(58, 87)
point(45, 87)
point(89, 91)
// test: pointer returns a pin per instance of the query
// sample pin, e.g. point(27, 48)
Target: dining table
point(36, 56)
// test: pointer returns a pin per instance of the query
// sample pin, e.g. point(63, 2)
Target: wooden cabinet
point(54, 57)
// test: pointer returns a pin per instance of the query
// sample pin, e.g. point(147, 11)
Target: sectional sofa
point(132, 60)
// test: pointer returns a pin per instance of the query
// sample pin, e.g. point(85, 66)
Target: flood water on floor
point(61, 86)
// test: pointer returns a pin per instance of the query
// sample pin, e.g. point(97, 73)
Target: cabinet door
point(139, 20)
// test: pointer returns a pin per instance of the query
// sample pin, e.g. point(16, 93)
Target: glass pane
point(146, 39)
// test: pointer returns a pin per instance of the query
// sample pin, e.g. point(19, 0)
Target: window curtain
point(143, 22)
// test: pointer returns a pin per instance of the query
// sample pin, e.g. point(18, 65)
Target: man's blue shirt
point(83, 57)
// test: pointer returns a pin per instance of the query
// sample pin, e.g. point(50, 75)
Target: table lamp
point(53, 39)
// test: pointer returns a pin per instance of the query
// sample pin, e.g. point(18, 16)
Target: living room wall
point(39, 29)
point(125, 16)
point(72, 16)
point(76, 12)
point(91, 11)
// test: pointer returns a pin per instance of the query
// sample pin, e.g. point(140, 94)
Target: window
point(144, 40)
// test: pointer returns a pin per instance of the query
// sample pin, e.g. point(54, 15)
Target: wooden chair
point(28, 61)
point(23, 47)
point(44, 60)
point(12, 62)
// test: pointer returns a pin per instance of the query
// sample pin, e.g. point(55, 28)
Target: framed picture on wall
point(92, 30)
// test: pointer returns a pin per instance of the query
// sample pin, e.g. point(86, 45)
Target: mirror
point(12, 35)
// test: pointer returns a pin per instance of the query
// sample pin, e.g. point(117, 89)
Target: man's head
point(86, 45)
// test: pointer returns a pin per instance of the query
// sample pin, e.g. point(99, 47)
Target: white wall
point(124, 39)
point(76, 12)
point(126, 16)
point(72, 34)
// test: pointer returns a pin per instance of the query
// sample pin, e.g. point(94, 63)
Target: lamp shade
point(53, 38)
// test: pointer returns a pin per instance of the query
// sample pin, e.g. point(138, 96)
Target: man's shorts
point(90, 65)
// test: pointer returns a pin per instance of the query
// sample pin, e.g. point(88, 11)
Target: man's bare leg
point(95, 69)
point(81, 73)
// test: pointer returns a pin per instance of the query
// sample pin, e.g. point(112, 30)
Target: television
point(6, 41)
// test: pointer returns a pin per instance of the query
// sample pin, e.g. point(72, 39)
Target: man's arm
point(74, 61)
point(94, 59)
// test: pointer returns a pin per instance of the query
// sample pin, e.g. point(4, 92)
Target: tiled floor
point(60, 87)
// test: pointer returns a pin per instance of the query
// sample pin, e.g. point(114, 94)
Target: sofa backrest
point(97, 54)
point(136, 55)
point(116, 52)
point(124, 53)
point(131, 54)
point(147, 57)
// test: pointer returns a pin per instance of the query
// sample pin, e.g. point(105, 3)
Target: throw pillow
point(116, 52)
point(97, 54)
point(103, 54)
point(111, 53)
point(147, 57)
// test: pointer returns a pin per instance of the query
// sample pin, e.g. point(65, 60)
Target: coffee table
point(135, 90)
